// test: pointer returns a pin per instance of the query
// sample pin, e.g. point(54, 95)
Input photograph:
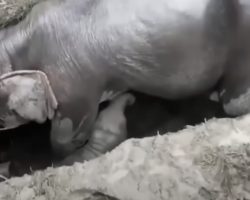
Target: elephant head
point(25, 96)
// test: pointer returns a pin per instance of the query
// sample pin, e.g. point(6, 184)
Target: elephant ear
point(27, 94)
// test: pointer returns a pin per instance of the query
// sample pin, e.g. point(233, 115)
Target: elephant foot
point(109, 131)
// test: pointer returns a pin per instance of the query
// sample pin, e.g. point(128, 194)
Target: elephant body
point(172, 49)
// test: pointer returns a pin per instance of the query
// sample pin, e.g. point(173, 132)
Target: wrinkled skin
point(169, 48)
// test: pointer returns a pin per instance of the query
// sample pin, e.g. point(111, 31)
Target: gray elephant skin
point(172, 49)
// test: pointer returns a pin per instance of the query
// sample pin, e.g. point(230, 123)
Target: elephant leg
point(110, 130)
point(235, 86)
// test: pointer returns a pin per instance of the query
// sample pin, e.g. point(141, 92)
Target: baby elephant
point(110, 129)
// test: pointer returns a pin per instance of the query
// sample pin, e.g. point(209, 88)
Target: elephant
point(173, 49)
point(110, 130)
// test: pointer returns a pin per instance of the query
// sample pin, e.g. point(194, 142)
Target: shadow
point(150, 115)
